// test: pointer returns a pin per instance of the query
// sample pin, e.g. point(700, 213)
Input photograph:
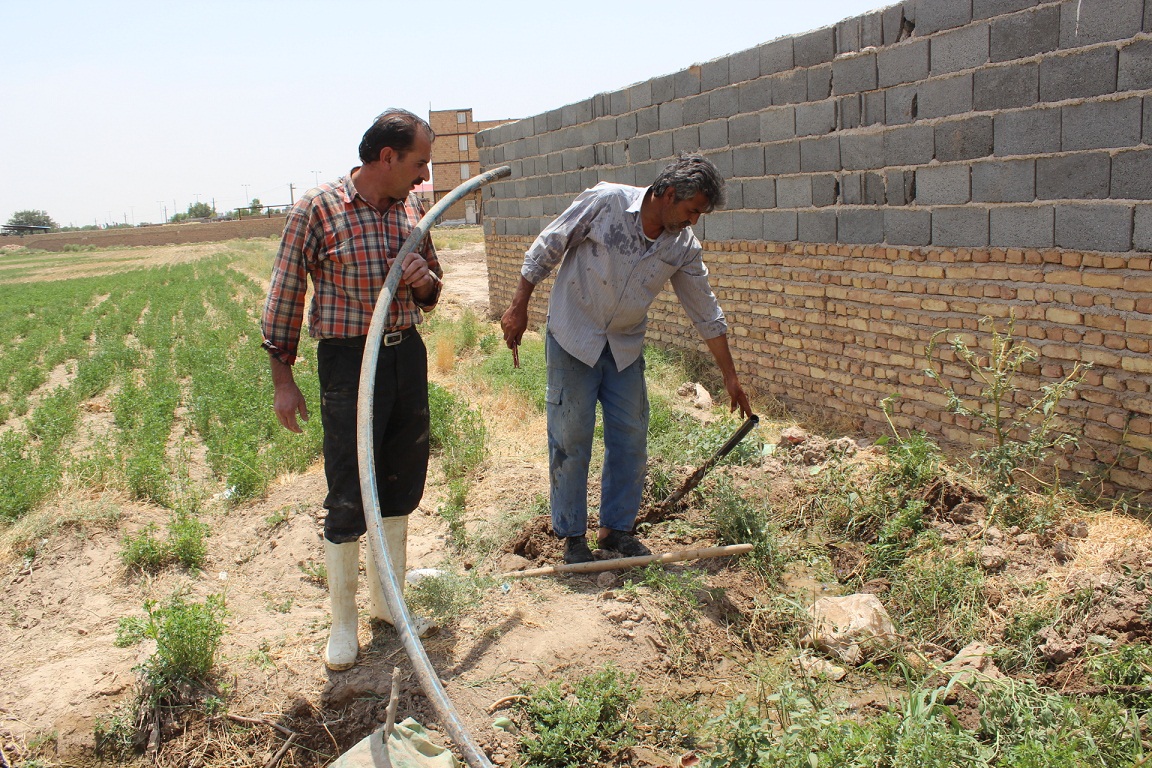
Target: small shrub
point(144, 551)
point(573, 726)
point(446, 596)
point(187, 636)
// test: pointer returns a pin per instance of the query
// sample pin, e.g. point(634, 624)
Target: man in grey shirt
point(617, 246)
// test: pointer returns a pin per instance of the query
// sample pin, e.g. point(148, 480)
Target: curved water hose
point(393, 589)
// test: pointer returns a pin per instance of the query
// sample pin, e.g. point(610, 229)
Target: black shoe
point(576, 550)
point(624, 543)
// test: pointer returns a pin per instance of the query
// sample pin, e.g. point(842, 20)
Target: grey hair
point(690, 175)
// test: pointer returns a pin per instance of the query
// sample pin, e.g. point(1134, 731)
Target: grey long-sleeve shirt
point(610, 273)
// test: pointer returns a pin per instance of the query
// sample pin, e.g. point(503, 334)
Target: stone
point(849, 628)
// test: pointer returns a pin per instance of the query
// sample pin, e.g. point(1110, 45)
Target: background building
point(456, 159)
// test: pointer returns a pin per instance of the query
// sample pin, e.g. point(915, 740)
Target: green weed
point(581, 724)
point(447, 596)
point(187, 637)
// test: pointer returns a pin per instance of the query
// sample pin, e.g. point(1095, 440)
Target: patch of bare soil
point(63, 596)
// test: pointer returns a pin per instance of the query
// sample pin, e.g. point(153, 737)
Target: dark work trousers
point(399, 430)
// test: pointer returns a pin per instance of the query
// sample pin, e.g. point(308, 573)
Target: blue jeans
point(573, 391)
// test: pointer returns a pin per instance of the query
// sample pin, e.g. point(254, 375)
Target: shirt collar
point(635, 207)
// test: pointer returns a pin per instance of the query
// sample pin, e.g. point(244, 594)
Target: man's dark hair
point(689, 175)
point(395, 128)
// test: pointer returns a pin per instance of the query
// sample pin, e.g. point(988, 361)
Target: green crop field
point(173, 349)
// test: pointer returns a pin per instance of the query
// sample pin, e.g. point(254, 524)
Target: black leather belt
point(391, 338)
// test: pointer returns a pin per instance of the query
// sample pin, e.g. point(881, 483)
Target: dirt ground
point(60, 671)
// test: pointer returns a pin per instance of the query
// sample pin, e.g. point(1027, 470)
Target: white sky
point(113, 110)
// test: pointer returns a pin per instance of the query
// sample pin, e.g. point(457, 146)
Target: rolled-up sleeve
point(690, 283)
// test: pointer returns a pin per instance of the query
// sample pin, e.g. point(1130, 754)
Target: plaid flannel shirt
point(347, 246)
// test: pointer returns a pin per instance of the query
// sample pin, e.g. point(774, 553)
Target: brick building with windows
point(456, 159)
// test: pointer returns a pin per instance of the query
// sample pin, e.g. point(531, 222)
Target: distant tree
point(200, 211)
point(33, 219)
point(255, 206)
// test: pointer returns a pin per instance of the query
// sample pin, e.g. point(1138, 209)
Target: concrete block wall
point(902, 172)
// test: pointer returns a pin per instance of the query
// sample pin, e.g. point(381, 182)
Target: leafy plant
point(582, 724)
point(187, 636)
point(1019, 437)
point(446, 596)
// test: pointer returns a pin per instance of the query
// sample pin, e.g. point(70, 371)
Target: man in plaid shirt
point(344, 235)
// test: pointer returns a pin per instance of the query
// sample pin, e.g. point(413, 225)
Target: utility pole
point(164, 208)
point(247, 200)
point(316, 178)
point(291, 193)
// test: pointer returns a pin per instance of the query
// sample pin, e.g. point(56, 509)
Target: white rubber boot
point(343, 563)
point(396, 539)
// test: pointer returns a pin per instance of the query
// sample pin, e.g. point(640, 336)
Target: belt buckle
point(393, 338)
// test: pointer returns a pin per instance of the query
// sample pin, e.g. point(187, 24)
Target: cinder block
point(852, 74)
point(618, 103)
point(848, 35)
point(1007, 86)
point(640, 95)
point(747, 225)
point(782, 157)
point(1027, 132)
point(755, 94)
point(819, 82)
point(816, 226)
point(901, 105)
point(943, 184)
point(862, 150)
point(899, 187)
point(1142, 228)
point(897, 27)
point(553, 120)
point(719, 225)
point(874, 193)
point(671, 115)
point(1148, 118)
point(815, 118)
point(694, 110)
point(794, 191)
point(647, 120)
point(860, 225)
point(1094, 226)
point(961, 226)
point(663, 89)
point(724, 102)
point(714, 135)
point(908, 145)
point(817, 47)
point(1079, 176)
point(1135, 72)
point(714, 74)
point(1132, 175)
point(825, 190)
point(660, 145)
point(872, 29)
point(687, 82)
point(759, 193)
point(790, 87)
point(903, 63)
point(1099, 21)
point(606, 129)
point(984, 9)
point(778, 123)
point(935, 15)
point(872, 107)
point(945, 96)
point(1025, 34)
point(722, 159)
point(1022, 227)
point(848, 112)
point(964, 139)
point(779, 226)
point(686, 139)
point(1078, 75)
point(959, 49)
point(852, 189)
point(1004, 181)
point(776, 56)
point(908, 226)
point(626, 126)
point(748, 160)
point(1101, 124)
point(733, 194)
point(743, 129)
point(822, 154)
point(744, 65)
